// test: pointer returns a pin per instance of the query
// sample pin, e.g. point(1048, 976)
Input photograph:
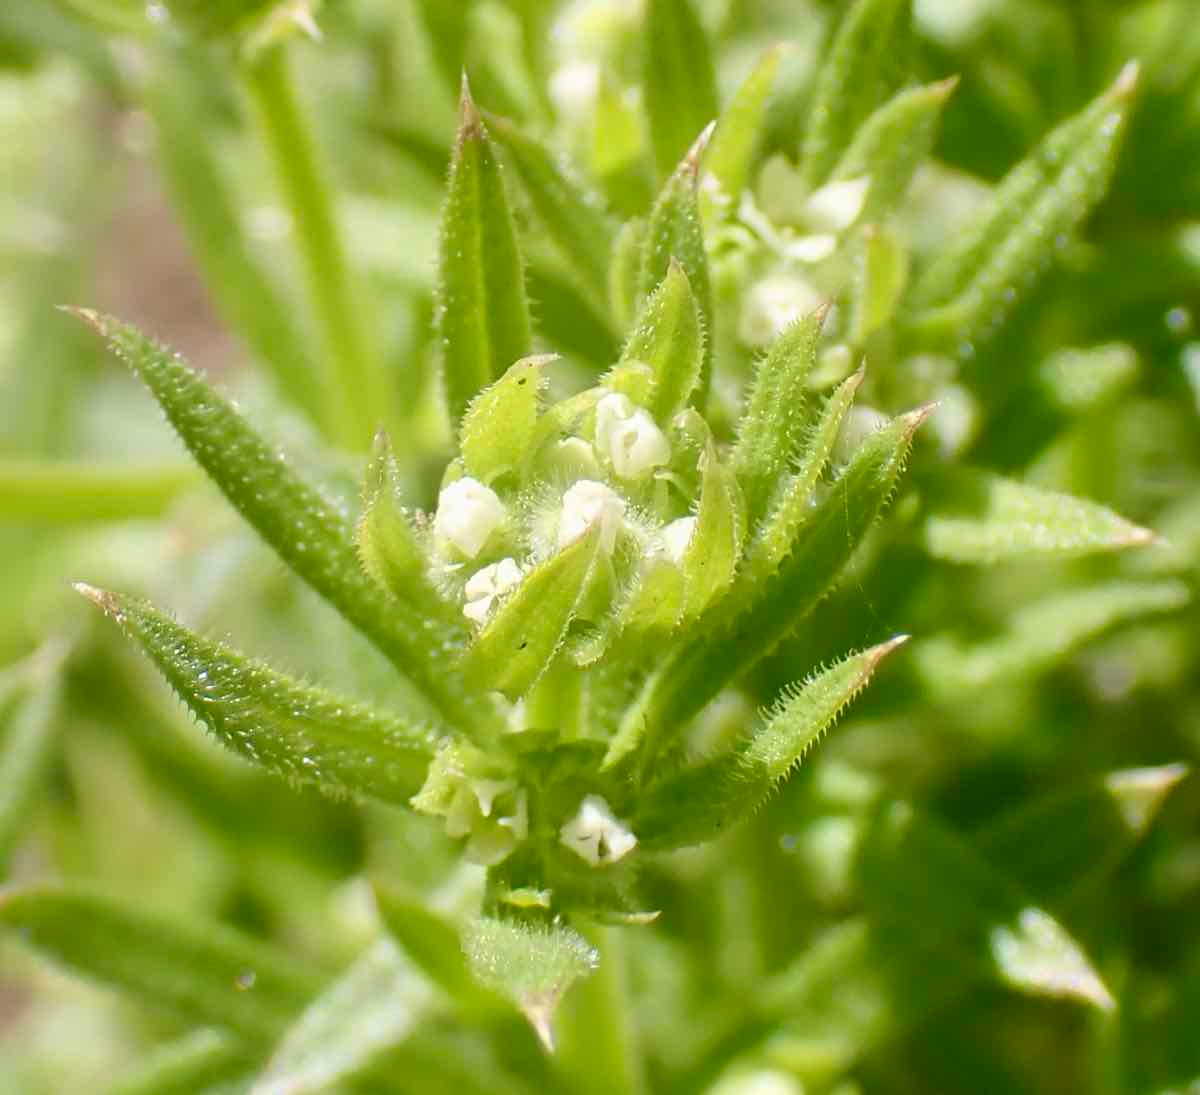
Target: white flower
point(596, 835)
point(773, 305)
point(837, 205)
point(589, 503)
point(628, 436)
point(467, 514)
point(676, 536)
point(484, 586)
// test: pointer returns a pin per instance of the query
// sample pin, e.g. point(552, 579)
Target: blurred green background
point(140, 174)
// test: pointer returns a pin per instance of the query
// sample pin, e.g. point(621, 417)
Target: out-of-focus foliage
point(986, 878)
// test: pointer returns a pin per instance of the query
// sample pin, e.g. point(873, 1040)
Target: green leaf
point(1039, 635)
point(892, 143)
point(823, 546)
point(974, 282)
point(204, 972)
point(434, 943)
point(573, 215)
point(27, 742)
point(679, 83)
point(791, 505)
point(305, 734)
point(715, 545)
point(309, 531)
point(663, 359)
point(191, 1064)
point(522, 638)
point(372, 1007)
point(851, 83)
point(394, 556)
point(482, 310)
point(881, 276)
point(674, 231)
point(698, 803)
point(772, 426)
point(980, 518)
point(501, 421)
point(531, 964)
point(730, 155)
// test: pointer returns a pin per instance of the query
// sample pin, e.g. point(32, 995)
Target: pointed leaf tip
point(695, 154)
point(876, 654)
point(1127, 80)
point(102, 599)
point(97, 321)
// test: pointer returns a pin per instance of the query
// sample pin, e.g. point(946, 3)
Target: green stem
point(355, 383)
point(68, 492)
point(597, 1031)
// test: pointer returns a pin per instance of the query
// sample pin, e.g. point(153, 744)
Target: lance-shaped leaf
point(433, 943)
point(372, 1007)
point(309, 531)
point(482, 310)
point(823, 547)
point(674, 231)
point(791, 502)
point(531, 964)
point(730, 154)
point(662, 362)
point(880, 278)
point(1059, 845)
point(501, 421)
point(193, 1063)
point(522, 638)
point(573, 215)
point(679, 81)
point(305, 734)
point(698, 803)
point(729, 643)
point(772, 425)
point(392, 553)
point(1040, 634)
point(715, 545)
point(850, 85)
point(27, 740)
point(981, 275)
point(979, 518)
point(892, 142)
point(204, 972)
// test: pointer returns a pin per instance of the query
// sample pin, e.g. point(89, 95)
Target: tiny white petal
point(810, 249)
point(837, 205)
point(488, 583)
point(588, 503)
point(595, 834)
point(468, 513)
point(676, 537)
point(629, 437)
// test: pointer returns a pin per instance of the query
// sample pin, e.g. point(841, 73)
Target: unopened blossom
point(596, 835)
point(485, 585)
point(629, 437)
point(590, 503)
point(468, 513)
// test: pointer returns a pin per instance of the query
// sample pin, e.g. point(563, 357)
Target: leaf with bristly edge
point(976, 280)
point(531, 964)
point(309, 531)
point(696, 804)
point(663, 359)
point(502, 419)
point(482, 310)
point(304, 734)
point(674, 231)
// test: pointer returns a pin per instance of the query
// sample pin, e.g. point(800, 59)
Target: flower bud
point(629, 437)
point(588, 503)
point(596, 835)
point(467, 514)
